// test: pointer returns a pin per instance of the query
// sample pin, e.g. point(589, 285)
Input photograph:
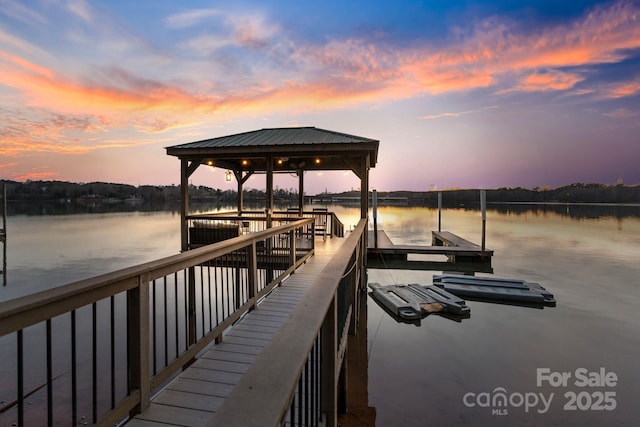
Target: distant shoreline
point(101, 192)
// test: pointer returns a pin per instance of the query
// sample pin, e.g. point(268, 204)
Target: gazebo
point(277, 150)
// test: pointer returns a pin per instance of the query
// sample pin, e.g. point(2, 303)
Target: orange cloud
point(59, 109)
point(551, 80)
point(623, 90)
point(35, 176)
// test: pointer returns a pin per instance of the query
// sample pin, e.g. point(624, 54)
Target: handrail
point(28, 310)
point(138, 287)
point(264, 393)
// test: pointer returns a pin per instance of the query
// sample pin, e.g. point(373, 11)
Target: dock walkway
point(192, 398)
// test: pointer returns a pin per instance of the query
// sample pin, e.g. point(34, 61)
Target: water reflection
point(588, 258)
point(588, 261)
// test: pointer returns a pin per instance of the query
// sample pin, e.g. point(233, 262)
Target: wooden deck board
point(199, 386)
point(195, 373)
point(192, 398)
point(170, 414)
point(189, 400)
point(214, 354)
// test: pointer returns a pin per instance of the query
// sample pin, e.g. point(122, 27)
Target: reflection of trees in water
point(574, 211)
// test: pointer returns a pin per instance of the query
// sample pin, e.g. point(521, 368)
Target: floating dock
point(495, 289)
point(414, 301)
point(461, 254)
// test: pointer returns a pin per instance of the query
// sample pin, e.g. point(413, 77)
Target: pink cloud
point(623, 90)
point(551, 80)
point(338, 73)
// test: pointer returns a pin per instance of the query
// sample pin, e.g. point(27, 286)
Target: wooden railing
point(207, 228)
point(94, 351)
point(300, 386)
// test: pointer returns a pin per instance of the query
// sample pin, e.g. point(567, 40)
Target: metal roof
point(277, 136)
point(294, 142)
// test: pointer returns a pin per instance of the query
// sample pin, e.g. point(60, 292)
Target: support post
point(374, 205)
point(184, 204)
point(191, 304)
point(138, 342)
point(252, 271)
point(329, 382)
point(269, 207)
point(483, 208)
point(439, 210)
point(240, 201)
point(300, 191)
point(3, 235)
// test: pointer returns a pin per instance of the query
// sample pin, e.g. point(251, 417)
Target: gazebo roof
point(292, 148)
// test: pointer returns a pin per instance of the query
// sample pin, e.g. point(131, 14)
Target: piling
point(439, 211)
point(3, 235)
point(374, 206)
point(483, 208)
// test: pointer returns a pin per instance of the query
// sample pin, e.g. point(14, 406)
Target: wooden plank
point(210, 375)
point(235, 332)
point(246, 341)
point(238, 348)
point(222, 365)
point(136, 422)
point(201, 387)
point(452, 239)
point(229, 356)
point(244, 326)
point(175, 415)
point(254, 321)
point(189, 400)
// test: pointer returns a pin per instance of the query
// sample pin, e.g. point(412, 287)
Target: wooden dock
point(460, 253)
point(192, 398)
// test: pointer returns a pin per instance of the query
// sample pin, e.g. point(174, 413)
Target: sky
point(460, 94)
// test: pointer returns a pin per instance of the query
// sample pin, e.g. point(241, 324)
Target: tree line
point(101, 191)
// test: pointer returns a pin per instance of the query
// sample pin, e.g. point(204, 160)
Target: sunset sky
point(460, 93)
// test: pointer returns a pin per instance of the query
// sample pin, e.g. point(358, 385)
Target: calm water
point(442, 372)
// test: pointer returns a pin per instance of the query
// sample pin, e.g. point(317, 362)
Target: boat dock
point(461, 254)
point(200, 391)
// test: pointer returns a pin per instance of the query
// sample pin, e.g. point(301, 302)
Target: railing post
point(191, 298)
point(138, 342)
point(292, 239)
point(252, 271)
point(329, 378)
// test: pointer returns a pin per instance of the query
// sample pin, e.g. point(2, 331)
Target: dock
point(194, 397)
point(461, 254)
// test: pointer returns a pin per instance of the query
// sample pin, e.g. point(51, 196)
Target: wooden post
point(374, 205)
point(3, 235)
point(483, 208)
point(184, 204)
point(191, 304)
point(328, 399)
point(4, 210)
point(300, 191)
point(138, 342)
point(269, 207)
point(439, 210)
point(252, 272)
point(240, 201)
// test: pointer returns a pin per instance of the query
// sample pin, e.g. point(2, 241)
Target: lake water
point(442, 372)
